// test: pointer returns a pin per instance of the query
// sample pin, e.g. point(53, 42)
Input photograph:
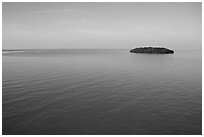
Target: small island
point(152, 50)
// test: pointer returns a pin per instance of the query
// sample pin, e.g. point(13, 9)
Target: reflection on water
point(101, 92)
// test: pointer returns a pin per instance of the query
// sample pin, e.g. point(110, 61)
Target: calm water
point(101, 92)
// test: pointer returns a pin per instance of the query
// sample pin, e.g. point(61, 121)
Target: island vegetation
point(152, 50)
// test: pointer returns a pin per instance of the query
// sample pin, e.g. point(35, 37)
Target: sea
point(101, 92)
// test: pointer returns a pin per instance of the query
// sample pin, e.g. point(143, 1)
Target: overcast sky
point(102, 25)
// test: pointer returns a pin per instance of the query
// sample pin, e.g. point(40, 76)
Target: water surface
point(101, 92)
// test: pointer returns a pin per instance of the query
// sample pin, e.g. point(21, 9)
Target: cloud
point(79, 21)
point(53, 11)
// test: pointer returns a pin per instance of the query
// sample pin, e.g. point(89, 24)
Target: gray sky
point(102, 25)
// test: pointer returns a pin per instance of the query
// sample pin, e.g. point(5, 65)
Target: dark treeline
point(152, 50)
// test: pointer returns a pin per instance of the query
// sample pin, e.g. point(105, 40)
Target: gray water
point(101, 92)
